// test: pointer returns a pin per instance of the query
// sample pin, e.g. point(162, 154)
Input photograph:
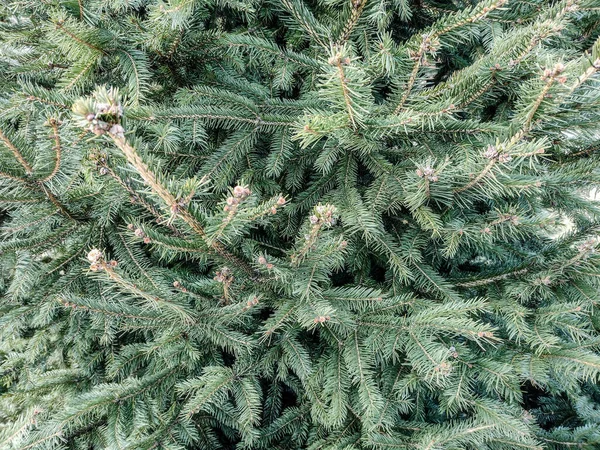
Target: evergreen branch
point(357, 8)
point(153, 299)
point(33, 98)
point(82, 73)
point(68, 260)
point(538, 101)
point(18, 200)
point(60, 26)
point(435, 280)
point(486, 87)
point(31, 422)
point(589, 72)
point(14, 178)
point(284, 334)
point(492, 279)
point(15, 151)
point(567, 443)
point(423, 349)
point(346, 91)
point(413, 75)
point(485, 10)
point(267, 333)
point(57, 149)
point(63, 210)
point(30, 224)
point(490, 165)
point(137, 263)
point(141, 200)
point(172, 203)
point(305, 19)
point(258, 121)
point(75, 306)
point(429, 38)
point(493, 161)
point(197, 403)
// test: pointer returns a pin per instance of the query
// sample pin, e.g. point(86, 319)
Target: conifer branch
point(589, 72)
point(141, 200)
point(258, 121)
point(346, 91)
point(490, 165)
point(29, 170)
point(60, 25)
point(33, 98)
point(137, 263)
point(63, 210)
point(304, 17)
point(68, 260)
point(493, 279)
point(430, 38)
point(172, 203)
point(537, 103)
point(71, 304)
point(472, 19)
point(152, 299)
point(410, 323)
point(83, 73)
point(15, 151)
point(471, 430)
point(418, 57)
point(57, 149)
point(14, 178)
point(357, 8)
point(486, 87)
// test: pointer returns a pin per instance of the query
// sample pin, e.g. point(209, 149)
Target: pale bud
point(94, 255)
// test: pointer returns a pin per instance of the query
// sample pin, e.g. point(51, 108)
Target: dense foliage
point(299, 224)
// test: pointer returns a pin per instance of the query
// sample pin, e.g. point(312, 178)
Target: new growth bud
point(324, 214)
point(96, 259)
point(117, 131)
point(322, 319)
point(427, 173)
point(94, 255)
point(491, 152)
point(589, 246)
point(224, 276)
point(241, 192)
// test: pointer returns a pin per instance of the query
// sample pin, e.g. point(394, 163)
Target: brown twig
point(173, 204)
point(57, 149)
point(16, 152)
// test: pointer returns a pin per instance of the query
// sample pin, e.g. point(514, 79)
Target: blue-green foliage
point(293, 224)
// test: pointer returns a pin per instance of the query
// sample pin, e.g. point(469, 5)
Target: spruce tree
point(299, 224)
